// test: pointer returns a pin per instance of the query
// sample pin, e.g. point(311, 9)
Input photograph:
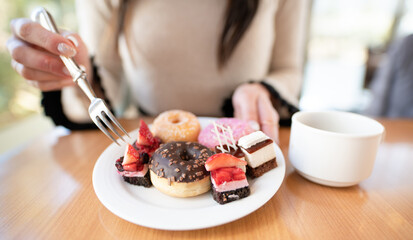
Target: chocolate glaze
point(236, 153)
point(259, 145)
point(180, 161)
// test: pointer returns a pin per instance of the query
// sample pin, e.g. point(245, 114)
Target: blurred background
point(346, 41)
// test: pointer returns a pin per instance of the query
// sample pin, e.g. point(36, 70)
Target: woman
point(160, 55)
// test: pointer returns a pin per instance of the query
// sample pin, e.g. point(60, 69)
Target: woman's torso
point(169, 54)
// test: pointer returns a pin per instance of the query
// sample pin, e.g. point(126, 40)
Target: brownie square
point(229, 196)
point(140, 181)
point(261, 169)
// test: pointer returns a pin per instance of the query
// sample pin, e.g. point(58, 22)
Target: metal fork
point(98, 110)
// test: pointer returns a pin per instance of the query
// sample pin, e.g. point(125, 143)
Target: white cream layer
point(243, 167)
point(260, 156)
point(135, 174)
point(229, 186)
point(251, 139)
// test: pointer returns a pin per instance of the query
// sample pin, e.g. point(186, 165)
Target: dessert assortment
point(181, 160)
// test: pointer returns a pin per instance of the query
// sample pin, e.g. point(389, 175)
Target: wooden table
point(46, 192)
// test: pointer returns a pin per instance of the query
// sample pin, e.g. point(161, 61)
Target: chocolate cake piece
point(259, 152)
point(229, 196)
point(260, 170)
point(144, 181)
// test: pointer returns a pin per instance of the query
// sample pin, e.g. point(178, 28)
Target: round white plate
point(150, 208)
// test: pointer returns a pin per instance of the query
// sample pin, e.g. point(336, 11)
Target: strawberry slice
point(131, 155)
point(238, 174)
point(131, 167)
point(222, 160)
point(227, 174)
point(221, 176)
point(145, 136)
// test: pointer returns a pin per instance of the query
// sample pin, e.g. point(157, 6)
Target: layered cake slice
point(228, 180)
point(133, 166)
point(259, 153)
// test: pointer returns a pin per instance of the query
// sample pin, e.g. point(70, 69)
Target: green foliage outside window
point(17, 98)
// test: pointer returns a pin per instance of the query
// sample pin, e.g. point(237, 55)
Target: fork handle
point(45, 19)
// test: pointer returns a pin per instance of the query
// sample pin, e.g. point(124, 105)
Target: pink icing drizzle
point(239, 127)
point(228, 186)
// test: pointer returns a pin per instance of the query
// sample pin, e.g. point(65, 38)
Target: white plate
point(150, 208)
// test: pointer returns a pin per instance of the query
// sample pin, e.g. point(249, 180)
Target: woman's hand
point(35, 54)
point(252, 102)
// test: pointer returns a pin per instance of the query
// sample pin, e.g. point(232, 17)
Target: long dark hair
point(238, 17)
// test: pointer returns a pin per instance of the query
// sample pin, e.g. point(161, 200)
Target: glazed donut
point(176, 125)
point(178, 169)
point(239, 128)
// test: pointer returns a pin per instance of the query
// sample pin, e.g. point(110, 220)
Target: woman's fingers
point(51, 85)
point(245, 103)
point(248, 109)
point(269, 118)
point(252, 103)
point(72, 37)
point(35, 34)
point(34, 74)
point(43, 80)
point(35, 54)
point(33, 58)
point(82, 56)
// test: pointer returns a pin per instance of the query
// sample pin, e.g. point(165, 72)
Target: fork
point(98, 110)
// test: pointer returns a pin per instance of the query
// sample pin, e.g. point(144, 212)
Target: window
point(340, 35)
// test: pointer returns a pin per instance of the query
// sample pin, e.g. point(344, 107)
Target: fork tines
point(103, 115)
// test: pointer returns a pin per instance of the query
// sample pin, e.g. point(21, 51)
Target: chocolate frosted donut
point(178, 169)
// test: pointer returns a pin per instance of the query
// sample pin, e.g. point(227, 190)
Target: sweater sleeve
point(285, 75)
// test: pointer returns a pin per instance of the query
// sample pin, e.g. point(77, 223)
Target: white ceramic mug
point(334, 148)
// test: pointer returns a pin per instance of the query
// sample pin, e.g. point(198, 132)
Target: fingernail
point(66, 50)
point(82, 67)
point(73, 40)
point(66, 72)
point(254, 125)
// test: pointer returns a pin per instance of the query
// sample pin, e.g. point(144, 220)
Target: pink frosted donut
point(239, 128)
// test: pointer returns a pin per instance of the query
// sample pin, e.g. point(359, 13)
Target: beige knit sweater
point(168, 54)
